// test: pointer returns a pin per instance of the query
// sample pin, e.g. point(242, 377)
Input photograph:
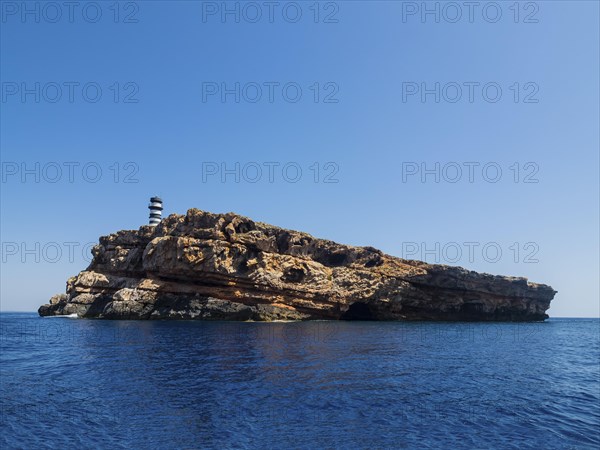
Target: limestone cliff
point(228, 267)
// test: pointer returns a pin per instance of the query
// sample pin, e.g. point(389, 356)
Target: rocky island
point(227, 267)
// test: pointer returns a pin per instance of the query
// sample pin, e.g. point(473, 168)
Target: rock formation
point(228, 267)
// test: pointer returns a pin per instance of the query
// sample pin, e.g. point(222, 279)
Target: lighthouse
point(155, 207)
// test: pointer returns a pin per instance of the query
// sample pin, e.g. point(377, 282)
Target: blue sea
point(73, 383)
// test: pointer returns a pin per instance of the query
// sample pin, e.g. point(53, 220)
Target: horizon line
point(551, 317)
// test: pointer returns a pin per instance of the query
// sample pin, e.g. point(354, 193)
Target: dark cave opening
point(358, 311)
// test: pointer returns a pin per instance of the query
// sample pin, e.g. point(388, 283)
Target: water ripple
point(105, 384)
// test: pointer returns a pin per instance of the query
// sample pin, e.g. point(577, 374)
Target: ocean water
point(70, 383)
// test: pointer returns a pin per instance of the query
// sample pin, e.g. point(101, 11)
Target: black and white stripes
point(155, 208)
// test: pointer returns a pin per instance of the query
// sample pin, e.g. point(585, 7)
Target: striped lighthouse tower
point(155, 207)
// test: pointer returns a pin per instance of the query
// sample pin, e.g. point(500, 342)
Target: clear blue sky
point(175, 48)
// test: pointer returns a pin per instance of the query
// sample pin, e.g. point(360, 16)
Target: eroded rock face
point(228, 267)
